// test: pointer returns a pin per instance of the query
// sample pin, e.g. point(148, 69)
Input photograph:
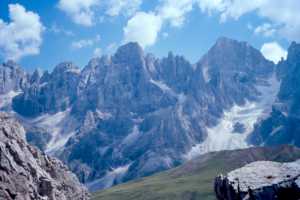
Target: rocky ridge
point(26, 173)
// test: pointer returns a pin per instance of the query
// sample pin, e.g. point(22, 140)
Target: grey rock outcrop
point(12, 77)
point(261, 180)
point(28, 174)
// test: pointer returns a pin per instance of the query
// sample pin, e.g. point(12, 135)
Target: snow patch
point(222, 136)
point(6, 99)
point(73, 70)
point(60, 126)
point(57, 125)
point(111, 177)
point(182, 117)
point(132, 137)
point(206, 74)
point(103, 115)
point(164, 87)
point(276, 130)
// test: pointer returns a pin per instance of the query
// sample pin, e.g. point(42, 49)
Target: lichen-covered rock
point(262, 180)
point(26, 173)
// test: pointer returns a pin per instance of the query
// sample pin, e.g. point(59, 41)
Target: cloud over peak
point(22, 36)
point(273, 51)
point(143, 28)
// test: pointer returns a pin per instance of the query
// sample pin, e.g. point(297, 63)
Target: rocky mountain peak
point(130, 53)
point(65, 67)
point(294, 52)
point(96, 62)
point(104, 60)
point(225, 41)
point(36, 76)
point(12, 77)
point(229, 51)
point(11, 64)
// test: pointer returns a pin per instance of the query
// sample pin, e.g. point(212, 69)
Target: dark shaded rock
point(239, 128)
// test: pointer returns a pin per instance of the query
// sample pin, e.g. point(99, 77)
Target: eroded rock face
point(262, 180)
point(26, 173)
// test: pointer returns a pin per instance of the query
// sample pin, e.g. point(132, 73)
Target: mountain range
point(131, 114)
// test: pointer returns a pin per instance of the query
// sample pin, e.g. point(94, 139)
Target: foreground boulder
point(262, 180)
point(26, 173)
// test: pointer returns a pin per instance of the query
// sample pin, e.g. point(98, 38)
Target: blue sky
point(43, 34)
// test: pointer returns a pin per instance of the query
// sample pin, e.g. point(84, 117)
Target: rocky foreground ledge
point(27, 174)
point(262, 180)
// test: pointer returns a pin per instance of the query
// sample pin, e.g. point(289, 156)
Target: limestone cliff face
point(262, 180)
point(26, 173)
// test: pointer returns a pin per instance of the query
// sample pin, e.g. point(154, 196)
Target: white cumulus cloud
point(22, 36)
point(58, 30)
point(273, 51)
point(88, 12)
point(143, 28)
point(175, 11)
point(284, 14)
point(265, 29)
point(83, 43)
point(128, 7)
point(81, 11)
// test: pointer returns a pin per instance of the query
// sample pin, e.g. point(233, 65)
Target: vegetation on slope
point(194, 179)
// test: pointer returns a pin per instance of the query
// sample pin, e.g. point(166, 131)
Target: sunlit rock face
point(261, 180)
point(26, 173)
point(135, 112)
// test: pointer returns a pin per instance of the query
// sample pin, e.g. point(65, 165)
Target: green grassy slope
point(194, 179)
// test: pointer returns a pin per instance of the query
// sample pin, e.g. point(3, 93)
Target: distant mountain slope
point(131, 114)
point(195, 179)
